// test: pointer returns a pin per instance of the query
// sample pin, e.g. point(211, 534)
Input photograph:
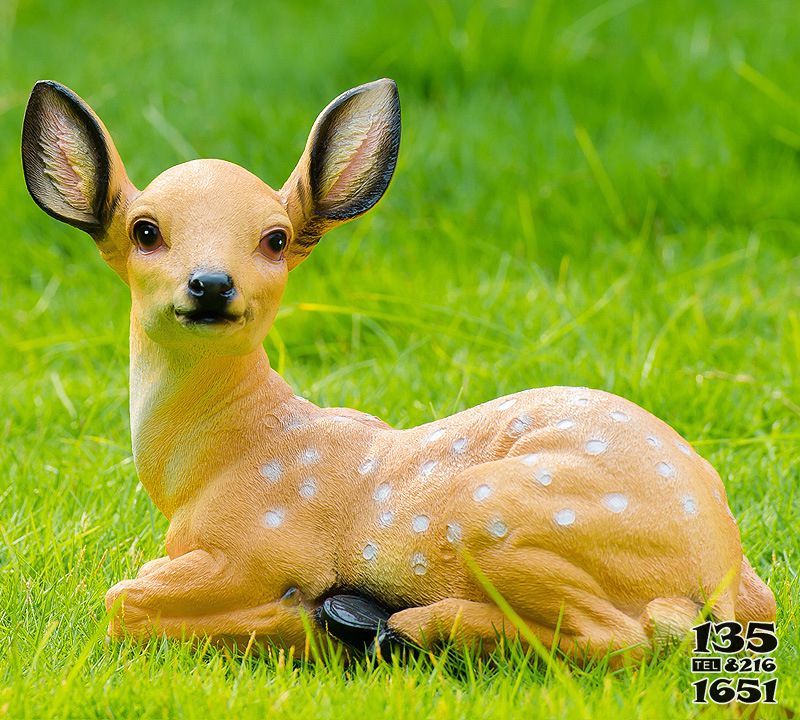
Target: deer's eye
point(147, 236)
point(273, 243)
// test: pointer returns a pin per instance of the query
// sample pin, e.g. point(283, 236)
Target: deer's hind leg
point(667, 621)
point(477, 625)
point(480, 625)
point(557, 600)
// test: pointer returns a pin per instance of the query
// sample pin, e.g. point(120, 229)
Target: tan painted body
point(578, 506)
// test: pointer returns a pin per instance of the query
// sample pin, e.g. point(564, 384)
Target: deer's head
point(207, 246)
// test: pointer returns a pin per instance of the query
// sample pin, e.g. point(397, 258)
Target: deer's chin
point(188, 330)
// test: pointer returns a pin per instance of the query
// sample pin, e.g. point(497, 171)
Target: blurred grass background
point(588, 193)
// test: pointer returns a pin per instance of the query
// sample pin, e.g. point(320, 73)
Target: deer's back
point(533, 478)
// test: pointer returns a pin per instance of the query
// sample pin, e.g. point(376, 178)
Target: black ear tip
point(43, 88)
point(383, 84)
point(38, 91)
point(43, 93)
point(389, 87)
point(395, 92)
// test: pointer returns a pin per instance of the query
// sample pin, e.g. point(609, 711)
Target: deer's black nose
point(211, 290)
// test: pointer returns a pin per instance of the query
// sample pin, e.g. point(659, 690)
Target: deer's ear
point(72, 169)
point(348, 162)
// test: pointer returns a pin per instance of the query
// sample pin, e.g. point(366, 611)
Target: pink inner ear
point(356, 144)
point(67, 162)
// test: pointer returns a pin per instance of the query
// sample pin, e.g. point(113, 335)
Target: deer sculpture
point(580, 508)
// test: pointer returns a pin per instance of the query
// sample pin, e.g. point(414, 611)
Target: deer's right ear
point(348, 162)
point(72, 169)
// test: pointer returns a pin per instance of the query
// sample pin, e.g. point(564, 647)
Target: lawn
point(587, 194)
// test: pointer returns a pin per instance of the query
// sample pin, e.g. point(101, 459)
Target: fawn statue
point(596, 522)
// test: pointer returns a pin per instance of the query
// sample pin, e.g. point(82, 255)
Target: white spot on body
point(386, 518)
point(689, 505)
point(564, 517)
point(529, 460)
point(272, 470)
point(419, 563)
point(309, 456)
point(420, 523)
point(454, 533)
point(339, 418)
point(580, 400)
point(274, 518)
point(370, 551)
point(427, 468)
point(460, 445)
point(653, 441)
point(506, 404)
point(368, 466)
point(481, 493)
point(619, 416)
point(543, 476)
point(684, 448)
point(616, 502)
point(435, 435)
point(497, 528)
point(665, 469)
point(565, 424)
point(308, 488)
point(382, 492)
point(520, 425)
point(596, 447)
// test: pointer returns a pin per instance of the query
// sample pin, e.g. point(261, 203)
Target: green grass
point(603, 195)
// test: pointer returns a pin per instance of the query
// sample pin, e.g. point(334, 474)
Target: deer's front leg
point(279, 622)
point(195, 583)
point(199, 593)
point(152, 565)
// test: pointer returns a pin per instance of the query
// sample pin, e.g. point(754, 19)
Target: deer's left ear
point(73, 170)
point(348, 162)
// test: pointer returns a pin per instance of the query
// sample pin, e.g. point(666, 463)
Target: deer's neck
point(192, 413)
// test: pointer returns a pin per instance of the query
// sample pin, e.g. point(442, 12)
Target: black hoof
point(353, 619)
point(388, 643)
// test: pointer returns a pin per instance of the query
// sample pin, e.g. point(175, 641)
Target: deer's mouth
point(200, 316)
